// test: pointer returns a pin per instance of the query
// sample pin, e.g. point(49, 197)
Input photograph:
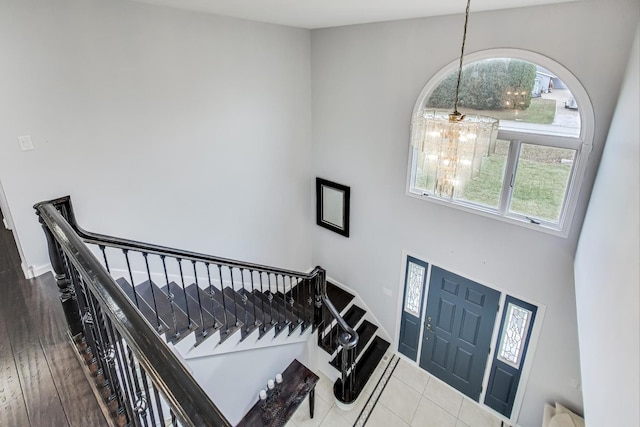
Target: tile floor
point(412, 397)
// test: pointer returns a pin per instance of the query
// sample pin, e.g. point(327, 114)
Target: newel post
point(321, 287)
point(65, 287)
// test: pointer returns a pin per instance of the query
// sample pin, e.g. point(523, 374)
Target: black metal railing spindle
point(212, 297)
point(170, 298)
point(233, 294)
point(159, 327)
point(195, 275)
point(224, 305)
point(133, 285)
point(184, 293)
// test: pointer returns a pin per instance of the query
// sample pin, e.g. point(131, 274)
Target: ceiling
point(332, 13)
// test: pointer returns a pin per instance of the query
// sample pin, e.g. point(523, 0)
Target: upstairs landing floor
point(41, 381)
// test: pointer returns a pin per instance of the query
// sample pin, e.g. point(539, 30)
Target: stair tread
point(226, 316)
point(363, 370)
point(366, 331)
point(262, 315)
point(351, 317)
point(245, 316)
point(150, 292)
point(275, 308)
point(144, 308)
point(198, 311)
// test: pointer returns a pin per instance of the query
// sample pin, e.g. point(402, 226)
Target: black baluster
point(195, 274)
point(171, 298)
point(224, 305)
point(159, 406)
point(139, 405)
point(212, 298)
point(184, 293)
point(103, 249)
point(133, 285)
point(233, 294)
point(153, 294)
point(127, 389)
point(264, 320)
point(149, 402)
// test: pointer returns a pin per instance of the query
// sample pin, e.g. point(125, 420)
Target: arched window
point(532, 174)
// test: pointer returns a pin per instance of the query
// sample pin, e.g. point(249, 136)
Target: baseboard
point(36, 270)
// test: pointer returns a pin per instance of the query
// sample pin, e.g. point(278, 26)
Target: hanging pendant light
point(453, 144)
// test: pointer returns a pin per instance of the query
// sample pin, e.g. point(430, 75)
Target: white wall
point(164, 126)
point(234, 380)
point(366, 79)
point(608, 271)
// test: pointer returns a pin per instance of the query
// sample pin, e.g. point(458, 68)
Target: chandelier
point(452, 144)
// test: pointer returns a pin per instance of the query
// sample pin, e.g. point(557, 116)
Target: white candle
point(263, 394)
point(278, 378)
point(270, 384)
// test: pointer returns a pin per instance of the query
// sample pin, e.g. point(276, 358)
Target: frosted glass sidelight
point(413, 297)
point(514, 335)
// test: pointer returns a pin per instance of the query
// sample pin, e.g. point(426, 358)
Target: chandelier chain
point(464, 40)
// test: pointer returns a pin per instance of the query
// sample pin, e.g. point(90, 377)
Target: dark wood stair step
point(150, 293)
point(261, 311)
point(303, 295)
point(197, 310)
point(275, 310)
point(366, 331)
point(363, 370)
point(144, 308)
point(294, 312)
point(351, 317)
point(245, 313)
point(225, 315)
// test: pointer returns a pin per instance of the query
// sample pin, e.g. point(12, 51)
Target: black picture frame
point(333, 206)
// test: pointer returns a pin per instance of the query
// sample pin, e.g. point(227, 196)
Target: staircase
point(203, 306)
point(236, 315)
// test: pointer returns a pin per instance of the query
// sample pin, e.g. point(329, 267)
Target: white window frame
point(582, 144)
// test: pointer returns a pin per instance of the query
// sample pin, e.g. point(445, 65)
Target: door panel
point(456, 343)
point(414, 286)
point(505, 375)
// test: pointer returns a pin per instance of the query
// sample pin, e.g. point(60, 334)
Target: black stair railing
point(158, 278)
point(141, 380)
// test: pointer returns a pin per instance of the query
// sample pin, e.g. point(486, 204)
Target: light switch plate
point(25, 142)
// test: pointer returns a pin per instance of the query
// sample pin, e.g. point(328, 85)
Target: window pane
point(541, 181)
point(514, 334)
point(485, 183)
point(522, 95)
point(415, 280)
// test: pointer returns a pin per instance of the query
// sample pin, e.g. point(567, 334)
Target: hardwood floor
point(41, 381)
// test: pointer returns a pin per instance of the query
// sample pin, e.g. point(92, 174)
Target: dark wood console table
point(297, 382)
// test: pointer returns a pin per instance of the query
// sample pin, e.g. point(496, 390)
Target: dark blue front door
point(459, 322)
point(414, 284)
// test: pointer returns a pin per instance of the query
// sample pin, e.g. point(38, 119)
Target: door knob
point(429, 327)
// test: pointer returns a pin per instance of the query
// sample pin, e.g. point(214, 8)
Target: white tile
point(400, 398)
point(324, 388)
point(352, 415)
point(444, 396)
point(335, 418)
point(429, 414)
point(461, 424)
point(301, 416)
point(414, 376)
point(474, 415)
point(383, 417)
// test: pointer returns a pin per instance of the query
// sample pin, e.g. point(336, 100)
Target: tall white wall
point(366, 79)
point(607, 269)
point(165, 126)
